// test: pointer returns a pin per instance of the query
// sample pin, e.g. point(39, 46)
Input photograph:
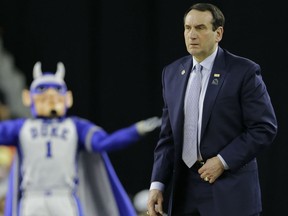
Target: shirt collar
point(208, 62)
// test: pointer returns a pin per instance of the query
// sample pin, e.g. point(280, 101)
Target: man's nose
point(192, 33)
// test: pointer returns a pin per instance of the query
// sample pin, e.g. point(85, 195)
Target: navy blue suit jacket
point(238, 122)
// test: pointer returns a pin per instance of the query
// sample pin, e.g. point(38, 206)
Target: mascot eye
point(40, 89)
point(60, 89)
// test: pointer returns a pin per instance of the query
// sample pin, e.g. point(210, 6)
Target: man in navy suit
point(236, 121)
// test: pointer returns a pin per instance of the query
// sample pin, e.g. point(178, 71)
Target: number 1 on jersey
point(49, 154)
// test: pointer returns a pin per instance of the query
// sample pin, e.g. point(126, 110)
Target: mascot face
point(48, 95)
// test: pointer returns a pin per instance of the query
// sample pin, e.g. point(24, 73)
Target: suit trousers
point(193, 196)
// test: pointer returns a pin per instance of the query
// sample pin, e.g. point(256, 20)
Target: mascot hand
point(148, 125)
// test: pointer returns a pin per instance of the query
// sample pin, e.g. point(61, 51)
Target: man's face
point(49, 100)
point(200, 39)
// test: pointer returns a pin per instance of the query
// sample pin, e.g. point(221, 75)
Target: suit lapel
point(182, 76)
point(216, 80)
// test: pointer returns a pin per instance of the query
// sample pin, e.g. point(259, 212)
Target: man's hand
point(148, 125)
point(211, 170)
point(154, 204)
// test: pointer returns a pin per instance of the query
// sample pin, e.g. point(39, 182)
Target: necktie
point(189, 153)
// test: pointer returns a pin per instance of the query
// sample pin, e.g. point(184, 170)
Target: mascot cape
point(100, 191)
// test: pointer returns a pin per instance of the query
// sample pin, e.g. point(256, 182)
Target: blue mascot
point(61, 167)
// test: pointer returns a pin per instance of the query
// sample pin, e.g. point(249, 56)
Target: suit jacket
point(238, 122)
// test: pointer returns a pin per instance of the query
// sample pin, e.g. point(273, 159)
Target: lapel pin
point(215, 81)
point(216, 75)
point(183, 72)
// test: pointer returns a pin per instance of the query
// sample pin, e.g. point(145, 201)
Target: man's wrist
point(157, 185)
point(225, 165)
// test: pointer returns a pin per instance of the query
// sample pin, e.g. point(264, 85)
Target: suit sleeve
point(164, 151)
point(259, 121)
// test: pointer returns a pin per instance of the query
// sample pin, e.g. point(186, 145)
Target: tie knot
point(198, 67)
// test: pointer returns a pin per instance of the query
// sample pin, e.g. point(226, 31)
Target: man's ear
point(69, 99)
point(26, 99)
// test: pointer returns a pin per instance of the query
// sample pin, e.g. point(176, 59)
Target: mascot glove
point(148, 125)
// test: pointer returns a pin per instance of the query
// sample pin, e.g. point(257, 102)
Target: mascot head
point(48, 95)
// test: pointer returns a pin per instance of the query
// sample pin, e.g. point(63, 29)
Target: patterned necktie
point(189, 153)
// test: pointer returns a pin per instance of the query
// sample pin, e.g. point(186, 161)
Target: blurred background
point(114, 52)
